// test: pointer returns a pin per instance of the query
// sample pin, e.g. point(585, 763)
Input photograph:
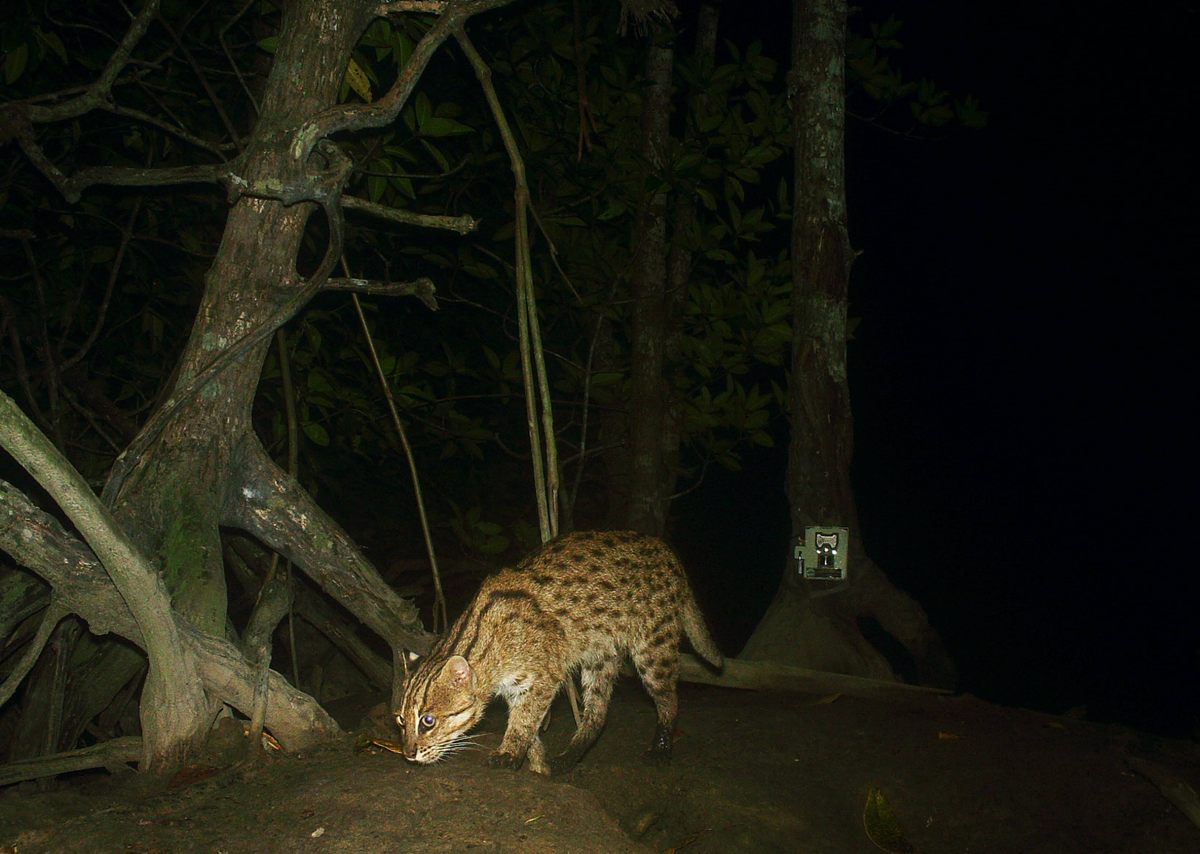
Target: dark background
point(1019, 375)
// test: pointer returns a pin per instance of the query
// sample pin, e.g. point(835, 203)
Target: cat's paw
point(659, 752)
point(502, 759)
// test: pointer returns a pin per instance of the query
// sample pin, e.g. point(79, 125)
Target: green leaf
point(604, 378)
point(14, 63)
point(376, 187)
point(318, 381)
point(613, 210)
point(439, 126)
point(437, 155)
point(423, 108)
point(316, 433)
point(762, 439)
point(403, 186)
point(54, 43)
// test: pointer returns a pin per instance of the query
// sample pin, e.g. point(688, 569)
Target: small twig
point(175, 130)
point(113, 274)
point(587, 122)
point(697, 484)
point(213, 98)
point(439, 598)
point(49, 353)
point(554, 254)
point(545, 471)
point(583, 428)
point(464, 224)
point(23, 380)
point(422, 288)
point(101, 89)
point(75, 403)
point(51, 617)
point(229, 56)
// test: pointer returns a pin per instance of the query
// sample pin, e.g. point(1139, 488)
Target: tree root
point(39, 542)
point(50, 619)
point(107, 754)
point(318, 613)
point(281, 514)
point(771, 676)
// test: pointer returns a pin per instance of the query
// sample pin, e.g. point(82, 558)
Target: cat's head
point(439, 708)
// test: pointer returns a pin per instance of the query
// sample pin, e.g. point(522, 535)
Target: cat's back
point(609, 576)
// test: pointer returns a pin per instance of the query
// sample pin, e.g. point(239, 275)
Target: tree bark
point(647, 398)
point(823, 632)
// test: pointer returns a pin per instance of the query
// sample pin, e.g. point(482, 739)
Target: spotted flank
point(583, 603)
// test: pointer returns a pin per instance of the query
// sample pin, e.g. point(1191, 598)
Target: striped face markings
point(439, 707)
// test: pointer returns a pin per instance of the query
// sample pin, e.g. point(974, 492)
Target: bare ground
point(753, 772)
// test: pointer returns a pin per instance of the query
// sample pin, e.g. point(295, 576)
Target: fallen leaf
point(644, 821)
point(393, 746)
point(948, 736)
point(882, 828)
point(686, 841)
point(826, 700)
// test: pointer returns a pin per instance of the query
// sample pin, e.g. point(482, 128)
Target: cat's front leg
point(525, 713)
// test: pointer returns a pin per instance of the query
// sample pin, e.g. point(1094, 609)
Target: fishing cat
point(582, 602)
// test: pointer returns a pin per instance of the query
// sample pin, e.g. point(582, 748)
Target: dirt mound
point(752, 772)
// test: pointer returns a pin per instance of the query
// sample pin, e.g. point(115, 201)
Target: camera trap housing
point(822, 554)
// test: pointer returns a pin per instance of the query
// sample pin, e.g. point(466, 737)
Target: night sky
point(1019, 375)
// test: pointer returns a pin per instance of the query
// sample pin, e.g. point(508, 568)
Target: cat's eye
point(400, 721)
point(427, 722)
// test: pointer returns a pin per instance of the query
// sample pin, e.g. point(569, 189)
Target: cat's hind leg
point(597, 678)
point(658, 666)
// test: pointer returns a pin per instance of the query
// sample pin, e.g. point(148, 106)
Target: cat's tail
point(697, 632)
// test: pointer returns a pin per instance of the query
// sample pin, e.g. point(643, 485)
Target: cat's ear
point(408, 657)
point(459, 670)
